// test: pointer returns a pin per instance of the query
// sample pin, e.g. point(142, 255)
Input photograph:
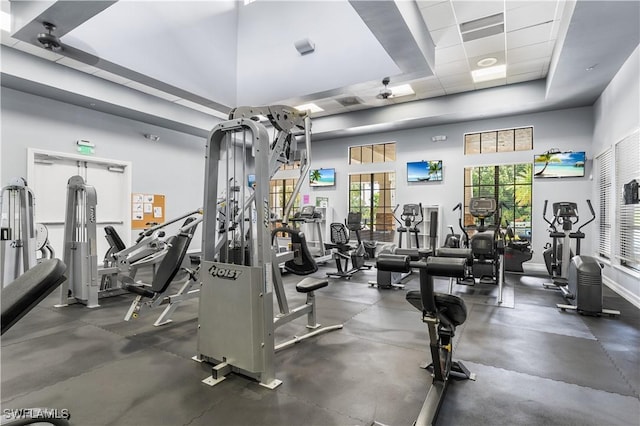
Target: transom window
point(377, 153)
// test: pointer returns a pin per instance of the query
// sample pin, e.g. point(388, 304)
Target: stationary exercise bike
point(580, 279)
point(345, 252)
point(442, 313)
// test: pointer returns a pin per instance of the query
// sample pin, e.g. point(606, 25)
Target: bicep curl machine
point(442, 313)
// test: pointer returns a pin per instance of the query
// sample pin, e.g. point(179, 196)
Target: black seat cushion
point(303, 262)
point(310, 284)
point(20, 296)
point(448, 305)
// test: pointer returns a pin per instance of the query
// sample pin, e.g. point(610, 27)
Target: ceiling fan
point(385, 93)
point(52, 42)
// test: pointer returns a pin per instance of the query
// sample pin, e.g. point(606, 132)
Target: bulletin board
point(146, 208)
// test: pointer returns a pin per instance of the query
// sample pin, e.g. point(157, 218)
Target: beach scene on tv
point(424, 171)
point(322, 177)
point(559, 164)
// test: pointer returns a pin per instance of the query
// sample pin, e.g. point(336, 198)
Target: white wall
point(173, 166)
point(617, 115)
point(566, 130)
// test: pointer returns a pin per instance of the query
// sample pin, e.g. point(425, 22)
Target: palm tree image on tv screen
point(424, 171)
point(559, 164)
point(322, 177)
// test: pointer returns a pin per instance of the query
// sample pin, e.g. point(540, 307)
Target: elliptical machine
point(410, 218)
point(578, 277)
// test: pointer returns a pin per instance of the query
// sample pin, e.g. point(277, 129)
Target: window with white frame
point(604, 163)
point(627, 162)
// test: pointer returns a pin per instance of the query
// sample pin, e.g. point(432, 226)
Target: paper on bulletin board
point(305, 199)
point(146, 209)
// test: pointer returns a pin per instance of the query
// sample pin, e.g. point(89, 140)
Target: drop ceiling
point(210, 56)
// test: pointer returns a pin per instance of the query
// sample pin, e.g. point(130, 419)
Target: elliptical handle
point(544, 216)
point(593, 216)
point(421, 215)
point(464, 231)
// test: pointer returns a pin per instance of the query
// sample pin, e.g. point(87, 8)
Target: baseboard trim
point(621, 291)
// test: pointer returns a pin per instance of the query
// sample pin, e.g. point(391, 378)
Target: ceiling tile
point(426, 85)
point(527, 53)
point(500, 57)
point(438, 16)
point(80, 66)
point(456, 80)
point(485, 45)
point(492, 83)
point(111, 77)
point(450, 54)
point(523, 77)
point(433, 93)
point(470, 10)
point(458, 89)
point(455, 67)
point(525, 67)
point(514, 4)
point(428, 3)
point(532, 14)
point(37, 51)
point(527, 36)
point(153, 91)
point(447, 36)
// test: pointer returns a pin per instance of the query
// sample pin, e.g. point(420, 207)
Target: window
point(506, 140)
point(628, 212)
point(604, 162)
point(509, 184)
point(378, 153)
point(280, 191)
point(292, 166)
point(373, 195)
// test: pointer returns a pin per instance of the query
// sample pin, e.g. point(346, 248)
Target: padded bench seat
point(454, 252)
point(310, 284)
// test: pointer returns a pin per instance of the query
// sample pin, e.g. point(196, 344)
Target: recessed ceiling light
point(487, 62)
point(402, 90)
point(5, 21)
point(491, 73)
point(591, 68)
point(311, 107)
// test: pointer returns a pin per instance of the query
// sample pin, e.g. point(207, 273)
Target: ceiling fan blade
point(79, 55)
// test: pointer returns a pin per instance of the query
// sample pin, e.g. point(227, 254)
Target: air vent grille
point(348, 101)
point(482, 27)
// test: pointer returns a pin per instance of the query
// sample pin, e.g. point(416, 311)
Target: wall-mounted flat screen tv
point(559, 164)
point(424, 171)
point(322, 177)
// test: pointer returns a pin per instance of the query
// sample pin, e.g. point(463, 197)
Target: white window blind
point(605, 189)
point(628, 170)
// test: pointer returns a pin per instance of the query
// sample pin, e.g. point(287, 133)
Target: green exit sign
point(86, 150)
